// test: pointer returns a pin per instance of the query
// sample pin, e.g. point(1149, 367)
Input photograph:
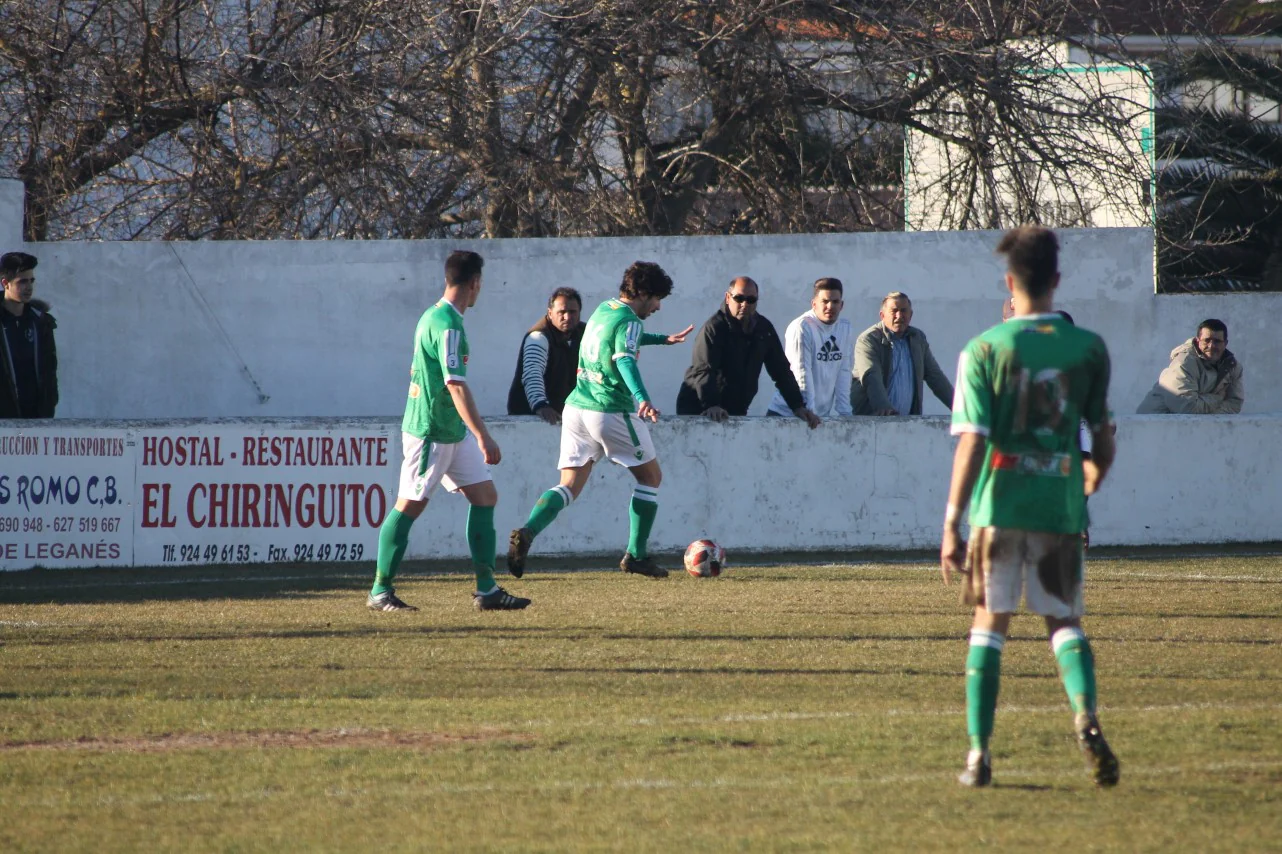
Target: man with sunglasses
point(729, 353)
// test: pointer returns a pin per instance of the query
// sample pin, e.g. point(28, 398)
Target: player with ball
point(606, 415)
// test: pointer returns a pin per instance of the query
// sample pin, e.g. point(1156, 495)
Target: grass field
point(779, 708)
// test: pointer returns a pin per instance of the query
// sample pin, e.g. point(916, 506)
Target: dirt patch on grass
point(350, 738)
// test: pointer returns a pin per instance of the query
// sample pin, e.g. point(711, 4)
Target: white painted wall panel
point(162, 330)
point(757, 485)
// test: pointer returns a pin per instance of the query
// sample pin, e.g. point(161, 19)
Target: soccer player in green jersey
point(1023, 388)
point(438, 415)
point(605, 415)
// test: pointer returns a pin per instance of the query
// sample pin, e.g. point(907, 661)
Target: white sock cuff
point(564, 491)
point(1064, 635)
point(646, 493)
point(980, 637)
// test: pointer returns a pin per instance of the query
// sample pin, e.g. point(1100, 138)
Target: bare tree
point(429, 118)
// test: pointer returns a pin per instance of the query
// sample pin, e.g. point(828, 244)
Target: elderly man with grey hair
point(892, 360)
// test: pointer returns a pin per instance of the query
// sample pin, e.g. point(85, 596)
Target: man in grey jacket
point(892, 359)
point(1204, 377)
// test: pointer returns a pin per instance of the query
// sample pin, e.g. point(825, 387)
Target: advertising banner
point(65, 498)
point(201, 494)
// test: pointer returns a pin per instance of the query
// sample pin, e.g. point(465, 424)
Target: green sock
point(983, 675)
point(547, 507)
point(393, 539)
point(641, 513)
point(480, 542)
point(1076, 668)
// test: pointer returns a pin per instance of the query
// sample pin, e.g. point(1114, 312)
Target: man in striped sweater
point(548, 359)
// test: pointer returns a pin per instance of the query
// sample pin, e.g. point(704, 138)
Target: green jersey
point(612, 333)
point(440, 356)
point(1027, 385)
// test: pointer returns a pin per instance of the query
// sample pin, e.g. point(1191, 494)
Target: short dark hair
point(568, 293)
point(13, 263)
point(1215, 326)
point(1032, 257)
point(645, 279)
point(828, 284)
point(462, 267)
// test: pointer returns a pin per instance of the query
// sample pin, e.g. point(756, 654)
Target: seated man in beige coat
point(1204, 377)
point(892, 359)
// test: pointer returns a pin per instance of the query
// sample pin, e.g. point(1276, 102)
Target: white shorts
point(587, 436)
point(456, 465)
point(1049, 569)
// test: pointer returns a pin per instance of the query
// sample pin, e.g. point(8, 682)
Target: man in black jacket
point(728, 356)
point(28, 357)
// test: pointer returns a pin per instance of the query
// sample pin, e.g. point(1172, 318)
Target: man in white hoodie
point(820, 350)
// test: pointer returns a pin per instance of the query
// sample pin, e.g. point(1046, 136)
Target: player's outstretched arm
point(679, 337)
point(466, 406)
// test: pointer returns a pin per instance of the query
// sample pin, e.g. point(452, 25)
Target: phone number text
point(299, 553)
point(60, 524)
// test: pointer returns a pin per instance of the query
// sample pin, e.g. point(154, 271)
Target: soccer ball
point(705, 559)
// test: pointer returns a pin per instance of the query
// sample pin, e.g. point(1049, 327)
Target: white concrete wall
point(756, 485)
point(771, 485)
point(302, 329)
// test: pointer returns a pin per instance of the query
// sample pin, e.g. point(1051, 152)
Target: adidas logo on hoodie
point(830, 351)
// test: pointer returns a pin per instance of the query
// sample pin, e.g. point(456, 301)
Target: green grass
point(780, 708)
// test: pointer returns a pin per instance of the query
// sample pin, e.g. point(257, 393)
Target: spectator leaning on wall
point(729, 353)
point(28, 357)
point(548, 359)
point(1204, 377)
point(818, 345)
point(892, 359)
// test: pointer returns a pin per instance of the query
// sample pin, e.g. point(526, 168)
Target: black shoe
point(387, 602)
point(518, 548)
point(498, 599)
point(979, 770)
point(642, 566)
point(1100, 761)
